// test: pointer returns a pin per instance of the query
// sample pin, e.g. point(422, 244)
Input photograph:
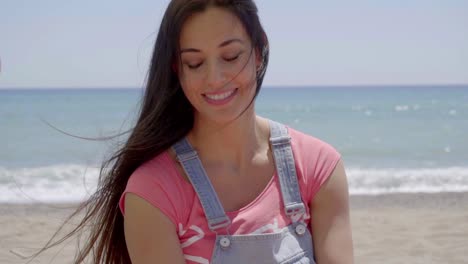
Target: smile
point(220, 98)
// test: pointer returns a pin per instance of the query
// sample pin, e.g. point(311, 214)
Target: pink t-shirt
point(158, 182)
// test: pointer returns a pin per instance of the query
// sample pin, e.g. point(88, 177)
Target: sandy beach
point(397, 228)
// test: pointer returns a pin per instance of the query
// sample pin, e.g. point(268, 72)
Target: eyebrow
point(223, 44)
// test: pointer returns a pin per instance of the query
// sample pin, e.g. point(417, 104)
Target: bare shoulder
point(150, 235)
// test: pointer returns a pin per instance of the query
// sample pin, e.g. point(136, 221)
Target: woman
point(202, 178)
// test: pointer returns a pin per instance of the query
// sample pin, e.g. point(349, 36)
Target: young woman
point(202, 178)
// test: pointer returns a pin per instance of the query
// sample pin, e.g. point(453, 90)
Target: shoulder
point(315, 161)
point(158, 182)
point(307, 146)
point(161, 163)
point(157, 171)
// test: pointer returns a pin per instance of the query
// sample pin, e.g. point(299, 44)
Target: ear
point(258, 59)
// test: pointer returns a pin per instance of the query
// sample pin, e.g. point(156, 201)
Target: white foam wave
point(58, 183)
point(392, 180)
point(73, 183)
point(400, 108)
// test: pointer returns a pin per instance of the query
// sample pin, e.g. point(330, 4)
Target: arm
point(150, 236)
point(330, 222)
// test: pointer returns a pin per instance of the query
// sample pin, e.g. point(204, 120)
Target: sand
point(397, 228)
point(429, 228)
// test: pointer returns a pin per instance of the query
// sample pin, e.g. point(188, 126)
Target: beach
point(410, 228)
point(406, 140)
point(391, 228)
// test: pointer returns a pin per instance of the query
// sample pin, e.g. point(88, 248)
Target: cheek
point(248, 75)
point(189, 81)
point(188, 91)
point(191, 90)
point(186, 82)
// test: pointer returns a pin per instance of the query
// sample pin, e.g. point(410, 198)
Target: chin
point(228, 116)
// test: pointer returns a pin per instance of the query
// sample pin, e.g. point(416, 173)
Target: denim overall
point(292, 244)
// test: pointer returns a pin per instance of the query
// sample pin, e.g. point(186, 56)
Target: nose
point(216, 77)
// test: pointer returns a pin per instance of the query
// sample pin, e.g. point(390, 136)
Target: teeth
point(220, 96)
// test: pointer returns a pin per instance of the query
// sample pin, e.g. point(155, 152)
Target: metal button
point(300, 230)
point(225, 242)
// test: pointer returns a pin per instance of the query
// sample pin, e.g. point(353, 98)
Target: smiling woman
point(218, 66)
point(202, 178)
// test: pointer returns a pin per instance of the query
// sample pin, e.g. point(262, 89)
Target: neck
point(235, 143)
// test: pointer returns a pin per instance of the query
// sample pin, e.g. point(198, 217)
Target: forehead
point(210, 28)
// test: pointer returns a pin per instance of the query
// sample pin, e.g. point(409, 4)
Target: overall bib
point(292, 244)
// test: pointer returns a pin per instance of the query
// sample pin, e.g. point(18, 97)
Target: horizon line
point(263, 86)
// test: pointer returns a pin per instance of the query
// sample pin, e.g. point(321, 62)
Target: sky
point(108, 44)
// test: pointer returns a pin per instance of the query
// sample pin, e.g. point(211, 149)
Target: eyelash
point(193, 67)
point(233, 58)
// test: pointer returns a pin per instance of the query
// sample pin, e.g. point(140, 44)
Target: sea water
point(391, 138)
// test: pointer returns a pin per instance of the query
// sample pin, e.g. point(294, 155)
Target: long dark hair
point(165, 117)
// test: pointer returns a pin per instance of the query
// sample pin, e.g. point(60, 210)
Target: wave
point(404, 180)
point(74, 183)
point(56, 183)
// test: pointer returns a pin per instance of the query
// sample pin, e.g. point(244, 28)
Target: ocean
point(393, 139)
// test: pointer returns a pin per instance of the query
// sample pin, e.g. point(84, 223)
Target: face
point(218, 65)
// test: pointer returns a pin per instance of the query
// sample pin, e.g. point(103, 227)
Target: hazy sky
point(52, 43)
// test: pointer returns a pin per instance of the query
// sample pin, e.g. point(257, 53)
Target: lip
point(220, 102)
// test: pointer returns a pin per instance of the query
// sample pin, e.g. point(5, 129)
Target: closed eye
point(230, 59)
point(194, 66)
point(233, 58)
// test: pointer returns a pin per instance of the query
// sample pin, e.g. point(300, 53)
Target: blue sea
point(392, 139)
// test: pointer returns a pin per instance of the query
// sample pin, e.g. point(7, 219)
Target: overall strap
point(286, 169)
point(193, 167)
